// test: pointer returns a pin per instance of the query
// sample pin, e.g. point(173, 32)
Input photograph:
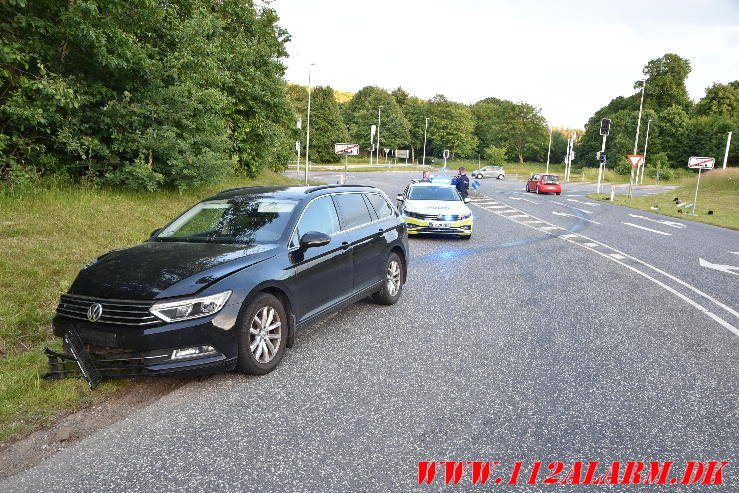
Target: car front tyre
point(262, 335)
point(500, 177)
point(392, 285)
point(479, 176)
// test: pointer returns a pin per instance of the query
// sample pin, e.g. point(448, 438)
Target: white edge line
point(718, 319)
point(647, 229)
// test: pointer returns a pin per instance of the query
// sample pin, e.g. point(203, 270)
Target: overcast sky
point(546, 53)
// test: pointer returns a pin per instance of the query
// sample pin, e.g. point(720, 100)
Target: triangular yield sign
point(635, 160)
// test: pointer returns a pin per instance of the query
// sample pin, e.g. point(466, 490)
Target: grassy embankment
point(719, 193)
point(45, 238)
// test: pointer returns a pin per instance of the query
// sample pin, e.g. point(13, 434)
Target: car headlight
point(175, 311)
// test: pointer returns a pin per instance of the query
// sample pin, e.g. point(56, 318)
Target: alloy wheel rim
point(393, 277)
point(265, 334)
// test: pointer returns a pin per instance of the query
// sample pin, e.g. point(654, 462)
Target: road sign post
point(605, 128)
point(701, 163)
point(346, 150)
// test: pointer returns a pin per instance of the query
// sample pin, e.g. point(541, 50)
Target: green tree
point(451, 127)
point(415, 112)
point(495, 155)
point(665, 78)
point(519, 127)
point(720, 100)
point(362, 112)
point(326, 126)
point(141, 93)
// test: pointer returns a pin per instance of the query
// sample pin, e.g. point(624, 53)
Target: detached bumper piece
point(79, 363)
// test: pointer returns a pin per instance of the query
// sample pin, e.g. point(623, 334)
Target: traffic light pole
point(601, 164)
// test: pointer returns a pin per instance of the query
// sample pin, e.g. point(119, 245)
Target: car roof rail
point(336, 185)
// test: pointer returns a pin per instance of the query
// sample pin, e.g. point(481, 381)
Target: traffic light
point(605, 126)
point(603, 158)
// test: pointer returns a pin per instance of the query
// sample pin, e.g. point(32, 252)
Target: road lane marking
point(549, 228)
point(510, 210)
point(572, 207)
point(531, 222)
point(672, 224)
point(590, 244)
point(584, 203)
point(519, 215)
point(618, 256)
point(497, 206)
point(647, 229)
point(521, 198)
point(729, 269)
point(572, 215)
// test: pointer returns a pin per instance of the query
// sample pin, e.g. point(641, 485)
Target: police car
point(435, 207)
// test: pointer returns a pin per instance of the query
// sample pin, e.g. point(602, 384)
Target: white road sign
point(350, 149)
point(402, 153)
point(701, 162)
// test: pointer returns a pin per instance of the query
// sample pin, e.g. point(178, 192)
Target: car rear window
point(550, 178)
point(353, 209)
point(380, 205)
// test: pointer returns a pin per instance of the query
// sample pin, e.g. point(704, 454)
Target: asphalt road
point(591, 336)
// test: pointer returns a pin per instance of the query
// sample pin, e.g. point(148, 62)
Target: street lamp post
point(425, 130)
point(379, 110)
point(726, 152)
point(636, 139)
point(644, 159)
point(307, 131)
point(550, 148)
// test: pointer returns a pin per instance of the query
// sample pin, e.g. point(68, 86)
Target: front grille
point(115, 312)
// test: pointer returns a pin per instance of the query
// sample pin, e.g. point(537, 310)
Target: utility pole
point(636, 139)
point(644, 159)
point(726, 152)
point(425, 131)
point(567, 159)
point(307, 131)
point(379, 115)
point(605, 129)
point(549, 149)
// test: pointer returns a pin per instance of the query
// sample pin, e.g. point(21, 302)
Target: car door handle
point(344, 245)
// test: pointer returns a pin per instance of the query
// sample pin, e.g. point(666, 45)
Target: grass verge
point(718, 193)
point(46, 237)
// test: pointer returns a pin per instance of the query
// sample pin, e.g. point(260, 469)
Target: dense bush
point(140, 94)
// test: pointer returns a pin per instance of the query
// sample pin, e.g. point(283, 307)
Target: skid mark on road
point(632, 263)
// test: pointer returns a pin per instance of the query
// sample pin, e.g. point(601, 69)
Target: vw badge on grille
point(94, 312)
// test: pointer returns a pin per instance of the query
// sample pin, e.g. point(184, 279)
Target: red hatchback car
point(544, 184)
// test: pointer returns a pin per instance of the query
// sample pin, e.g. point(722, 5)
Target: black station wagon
point(226, 284)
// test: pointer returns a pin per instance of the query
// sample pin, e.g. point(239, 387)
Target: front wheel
point(479, 176)
point(262, 335)
point(500, 177)
point(559, 193)
point(393, 283)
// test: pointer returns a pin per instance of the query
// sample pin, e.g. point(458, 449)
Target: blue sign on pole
point(475, 185)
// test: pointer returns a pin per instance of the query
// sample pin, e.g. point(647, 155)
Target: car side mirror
point(313, 239)
point(400, 197)
point(467, 200)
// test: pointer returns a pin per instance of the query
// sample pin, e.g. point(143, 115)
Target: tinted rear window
point(380, 205)
point(353, 209)
point(552, 178)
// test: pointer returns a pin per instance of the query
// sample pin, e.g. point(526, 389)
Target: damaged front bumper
point(97, 363)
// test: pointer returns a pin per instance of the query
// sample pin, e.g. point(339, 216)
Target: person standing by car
point(425, 177)
point(462, 182)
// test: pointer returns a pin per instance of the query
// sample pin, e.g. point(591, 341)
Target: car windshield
point(433, 193)
point(550, 178)
point(250, 220)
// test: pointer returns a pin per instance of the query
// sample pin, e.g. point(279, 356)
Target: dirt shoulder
point(29, 451)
